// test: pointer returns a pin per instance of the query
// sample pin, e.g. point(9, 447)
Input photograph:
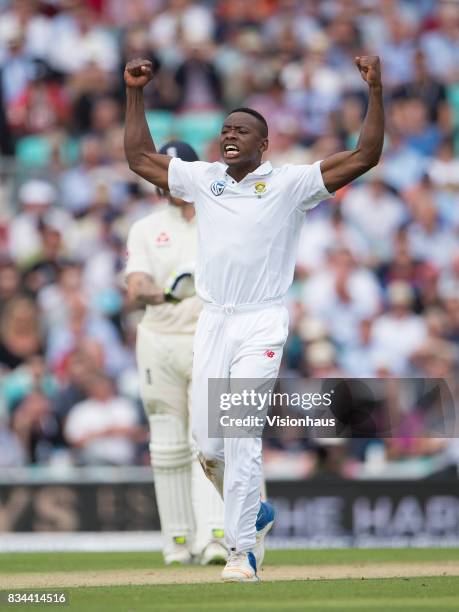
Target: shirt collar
point(263, 170)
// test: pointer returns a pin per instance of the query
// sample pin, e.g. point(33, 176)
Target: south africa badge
point(260, 188)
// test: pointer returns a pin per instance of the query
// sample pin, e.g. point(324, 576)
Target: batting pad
point(208, 509)
point(171, 458)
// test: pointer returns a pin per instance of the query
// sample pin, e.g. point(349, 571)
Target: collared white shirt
point(159, 245)
point(93, 416)
point(247, 231)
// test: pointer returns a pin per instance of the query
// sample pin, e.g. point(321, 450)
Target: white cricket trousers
point(233, 343)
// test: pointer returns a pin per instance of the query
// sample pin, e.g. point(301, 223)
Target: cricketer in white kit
point(161, 252)
point(249, 216)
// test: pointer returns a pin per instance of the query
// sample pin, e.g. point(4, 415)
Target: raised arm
point(138, 145)
point(342, 168)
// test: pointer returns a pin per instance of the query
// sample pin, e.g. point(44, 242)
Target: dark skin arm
point(342, 168)
point(139, 147)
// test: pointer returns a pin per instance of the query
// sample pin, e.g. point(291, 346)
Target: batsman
point(159, 272)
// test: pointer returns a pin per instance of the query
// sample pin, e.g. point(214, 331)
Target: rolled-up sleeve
point(136, 252)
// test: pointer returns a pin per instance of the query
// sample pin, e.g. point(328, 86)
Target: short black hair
point(254, 113)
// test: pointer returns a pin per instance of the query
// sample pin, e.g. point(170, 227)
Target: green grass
point(394, 595)
point(376, 595)
point(67, 562)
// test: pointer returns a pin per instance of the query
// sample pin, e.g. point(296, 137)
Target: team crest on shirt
point(163, 239)
point(260, 187)
point(218, 187)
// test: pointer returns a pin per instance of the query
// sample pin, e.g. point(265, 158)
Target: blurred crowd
point(376, 291)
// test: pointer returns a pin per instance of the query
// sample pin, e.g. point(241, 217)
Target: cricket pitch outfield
point(343, 580)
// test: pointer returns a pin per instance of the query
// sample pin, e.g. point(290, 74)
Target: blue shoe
point(265, 520)
point(241, 567)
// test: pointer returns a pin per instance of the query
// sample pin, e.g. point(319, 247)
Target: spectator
point(20, 332)
point(421, 85)
point(317, 93)
point(17, 68)
point(401, 164)
point(289, 20)
point(323, 235)
point(42, 107)
point(444, 170)
point(23, 15)
point(78, 184)
point(441, 45)
point(376, 212)
point(398, 333)
point(401, 266)
point(36, 427)
point(183, 21)
point(55, 298)
point(10, 281)
point(197, 82)
point(398, 51)
point(82, 323)
point(321, 361)
point(12, 454)
point(429, 240)
point(449, 280)
point(6, 142)
point(342, 295)
point(78, 41)
point(450, 300)
point(103, 428)
point(358, 358)
point(37, 198)
point(31, 376)
point(77, 369)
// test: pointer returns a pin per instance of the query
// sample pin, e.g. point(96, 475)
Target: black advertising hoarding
point(78, 507)
point(366, 513)
point(309, 512)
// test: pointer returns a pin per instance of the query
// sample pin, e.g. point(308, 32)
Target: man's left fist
point(370, 69)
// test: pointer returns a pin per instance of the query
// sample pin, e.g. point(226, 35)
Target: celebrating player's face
point(241, 139)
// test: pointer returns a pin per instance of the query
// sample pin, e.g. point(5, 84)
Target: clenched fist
point(370, 69)
point(138, 73)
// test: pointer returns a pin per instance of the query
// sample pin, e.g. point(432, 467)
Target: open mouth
point(231, 150)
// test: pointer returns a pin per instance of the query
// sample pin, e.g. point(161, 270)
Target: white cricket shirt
point(158, 245)
point(247, 231)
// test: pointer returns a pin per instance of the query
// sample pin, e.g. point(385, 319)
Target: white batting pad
point(171, 461)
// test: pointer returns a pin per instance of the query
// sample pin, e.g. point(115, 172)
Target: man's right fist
point(370, 69)
point(138, 73)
